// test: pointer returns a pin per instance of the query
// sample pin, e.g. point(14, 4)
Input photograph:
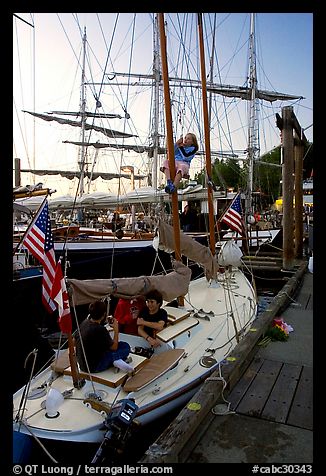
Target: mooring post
point(288, 186)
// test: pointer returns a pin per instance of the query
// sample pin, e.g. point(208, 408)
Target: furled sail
point(188, 247)
point(171, 286)
point(144, 148)
point(98, 115)
point(103, 130)
point(244, 92)
point(71, 174)
point(100, 145)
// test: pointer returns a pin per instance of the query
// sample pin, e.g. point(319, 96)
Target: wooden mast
point(206, 135)
point(170, 143)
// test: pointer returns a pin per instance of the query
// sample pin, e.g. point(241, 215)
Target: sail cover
point(171, 286)
point(188, 247)
point(104, 130)
point(244, 92)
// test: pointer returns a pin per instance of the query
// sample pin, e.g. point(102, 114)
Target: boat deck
point(265, 414)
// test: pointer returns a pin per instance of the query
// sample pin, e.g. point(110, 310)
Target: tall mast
point(206, 135)
point(156, 76)
point(169, 133)
point(82, 158)
point(253, 143)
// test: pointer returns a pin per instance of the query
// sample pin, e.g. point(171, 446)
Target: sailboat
point(214, 313)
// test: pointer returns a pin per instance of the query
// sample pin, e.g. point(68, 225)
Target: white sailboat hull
point(207, 339)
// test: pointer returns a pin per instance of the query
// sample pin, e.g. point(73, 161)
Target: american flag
point(232, 216)
point(39, 241)
point(59, 294)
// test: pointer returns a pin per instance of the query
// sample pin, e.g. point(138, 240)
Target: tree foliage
point(227, 173)
point(268, 176)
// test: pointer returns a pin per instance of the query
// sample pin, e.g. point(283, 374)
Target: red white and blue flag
point(59, 294)
point(39, 241)
point(233, 216)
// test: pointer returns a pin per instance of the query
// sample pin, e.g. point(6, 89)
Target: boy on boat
point(96, 350)
point(152, 318)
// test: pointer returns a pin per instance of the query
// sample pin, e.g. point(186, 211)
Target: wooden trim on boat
point(173, 330)
point(108, 377)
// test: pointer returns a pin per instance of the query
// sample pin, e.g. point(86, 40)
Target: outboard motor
point(119, 423)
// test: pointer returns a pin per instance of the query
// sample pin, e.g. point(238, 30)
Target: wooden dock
point(275, 391)
point(260, 408)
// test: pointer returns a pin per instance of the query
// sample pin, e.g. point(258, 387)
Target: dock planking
point(275, 391)
point(279, 402)
point(301, 413)
point(257, 394)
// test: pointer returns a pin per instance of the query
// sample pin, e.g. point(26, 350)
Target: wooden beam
point(298, 129)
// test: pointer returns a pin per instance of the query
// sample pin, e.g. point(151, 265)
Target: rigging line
point(90, 83)
point(101, 86)
point(82, 346)
point(128, 89)
point(71, 46)
point(108, 49)
point(83, 158)
point(22, 96)
point(120, 99)
point(211, 63)
point(226, 105)
point(23, 400)
point(22, 19)
point(308, 149)
point(185, 54)
point(23, 135)
point(39, 442)
point(78, 60)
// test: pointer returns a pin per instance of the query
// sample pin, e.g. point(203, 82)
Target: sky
point(47, 68)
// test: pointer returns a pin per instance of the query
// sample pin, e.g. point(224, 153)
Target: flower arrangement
point(279, 331)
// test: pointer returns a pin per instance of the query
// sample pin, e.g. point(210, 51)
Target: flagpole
point(60, 296)
point(78, 382)
point(30, 225)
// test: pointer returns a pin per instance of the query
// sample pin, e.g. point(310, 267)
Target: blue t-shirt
point(184, 154)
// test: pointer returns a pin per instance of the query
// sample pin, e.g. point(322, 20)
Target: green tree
point(268, 176)
point(225, 173)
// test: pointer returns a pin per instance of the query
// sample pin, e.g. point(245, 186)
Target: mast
point(206, 135)
point(170, 144)
point(83, 120)
point(156, 76)
point(253, 144)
